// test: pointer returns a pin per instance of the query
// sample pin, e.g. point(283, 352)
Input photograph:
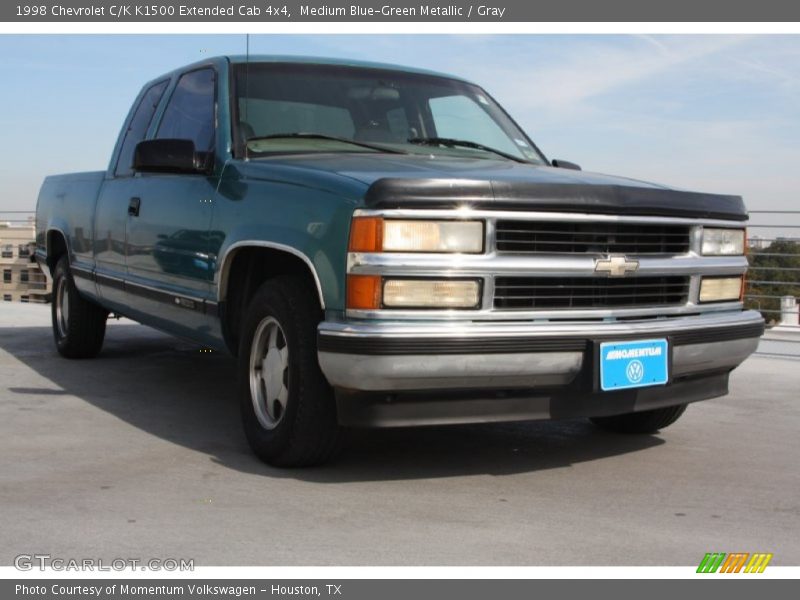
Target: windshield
point(380, 109)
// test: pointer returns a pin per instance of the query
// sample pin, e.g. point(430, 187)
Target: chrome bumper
point(393, 374)
point(379, 356)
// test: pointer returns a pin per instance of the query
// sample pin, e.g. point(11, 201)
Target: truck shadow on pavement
point(171, 389)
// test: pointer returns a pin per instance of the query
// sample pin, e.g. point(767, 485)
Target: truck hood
point(424, 181)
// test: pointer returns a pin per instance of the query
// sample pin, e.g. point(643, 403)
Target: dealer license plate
point(636, 364)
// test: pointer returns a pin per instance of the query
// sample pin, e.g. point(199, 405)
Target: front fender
point(310, 223)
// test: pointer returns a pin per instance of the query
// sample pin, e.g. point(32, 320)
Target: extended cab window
point(137, 128)
point(190, 112)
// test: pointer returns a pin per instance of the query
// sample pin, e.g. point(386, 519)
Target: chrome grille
point(532, 237)
point(554, 293)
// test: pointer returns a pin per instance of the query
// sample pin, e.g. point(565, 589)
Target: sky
point(712, 113)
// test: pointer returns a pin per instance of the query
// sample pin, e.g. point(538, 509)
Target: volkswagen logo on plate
point(635, 371)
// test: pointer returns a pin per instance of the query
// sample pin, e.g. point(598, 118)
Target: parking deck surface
point(139, 454)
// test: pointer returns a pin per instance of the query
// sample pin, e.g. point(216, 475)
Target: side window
point(190, 112)
point(138, 127)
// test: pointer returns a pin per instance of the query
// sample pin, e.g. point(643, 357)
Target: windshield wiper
point(322, 136)
point(442, 141)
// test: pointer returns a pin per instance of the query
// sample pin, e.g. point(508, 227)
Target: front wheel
point(79, 325)
point(646, 421)
point(288, 408)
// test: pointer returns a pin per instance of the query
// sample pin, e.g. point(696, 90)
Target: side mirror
point(169, 156)
point(565, 164)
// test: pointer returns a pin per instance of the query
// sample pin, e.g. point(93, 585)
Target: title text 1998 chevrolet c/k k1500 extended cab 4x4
point(383, 246)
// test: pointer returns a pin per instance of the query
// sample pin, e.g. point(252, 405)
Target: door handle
point(133, 207)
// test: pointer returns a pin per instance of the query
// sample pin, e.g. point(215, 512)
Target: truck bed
point(66, 204)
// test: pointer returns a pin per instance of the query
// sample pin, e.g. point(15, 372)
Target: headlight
point(723, 242)
point(374, 234)
point(428, 293)
point(372, 292)
point(720, 289)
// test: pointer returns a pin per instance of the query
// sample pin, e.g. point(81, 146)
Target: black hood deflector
point(552, 197)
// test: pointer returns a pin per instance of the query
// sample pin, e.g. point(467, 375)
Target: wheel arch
point(244, 266)
point(56, 246)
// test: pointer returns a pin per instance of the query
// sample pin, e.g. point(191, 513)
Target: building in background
point(757, 242)
point(22, 279)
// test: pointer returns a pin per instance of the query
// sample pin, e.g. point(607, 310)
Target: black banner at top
point(508, 11)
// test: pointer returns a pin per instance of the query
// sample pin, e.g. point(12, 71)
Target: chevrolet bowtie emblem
point(615, 266)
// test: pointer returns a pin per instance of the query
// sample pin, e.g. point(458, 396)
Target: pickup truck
point(382, 246)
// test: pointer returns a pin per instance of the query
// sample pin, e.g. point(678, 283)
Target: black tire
point(647, 421)
point(79, 330)
point(302, 429)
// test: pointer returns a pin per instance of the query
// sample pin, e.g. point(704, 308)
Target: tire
point(79, 325)
point(288, 408)
point(647, 421)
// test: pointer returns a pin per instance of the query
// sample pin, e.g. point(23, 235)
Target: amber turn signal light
point(364, 291)
point(366, 234)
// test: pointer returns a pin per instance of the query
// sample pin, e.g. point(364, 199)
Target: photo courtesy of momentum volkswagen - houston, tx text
point(384, 246)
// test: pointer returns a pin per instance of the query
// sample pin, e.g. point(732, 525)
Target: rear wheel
point(288, 408)
point(79, 325)
point(646, 421)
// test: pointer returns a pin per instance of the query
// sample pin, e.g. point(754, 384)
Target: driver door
point(169, 214)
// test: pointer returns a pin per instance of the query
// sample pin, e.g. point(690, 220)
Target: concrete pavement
point(139, 454)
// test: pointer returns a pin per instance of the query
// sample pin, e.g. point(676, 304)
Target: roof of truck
point(344, 62)
point(238, 59)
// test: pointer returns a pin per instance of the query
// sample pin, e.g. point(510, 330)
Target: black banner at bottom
point(732, 587)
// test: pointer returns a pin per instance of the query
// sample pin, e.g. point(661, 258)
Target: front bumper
point(431, 373)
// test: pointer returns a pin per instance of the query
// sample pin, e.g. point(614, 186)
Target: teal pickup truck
point(385, 246)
